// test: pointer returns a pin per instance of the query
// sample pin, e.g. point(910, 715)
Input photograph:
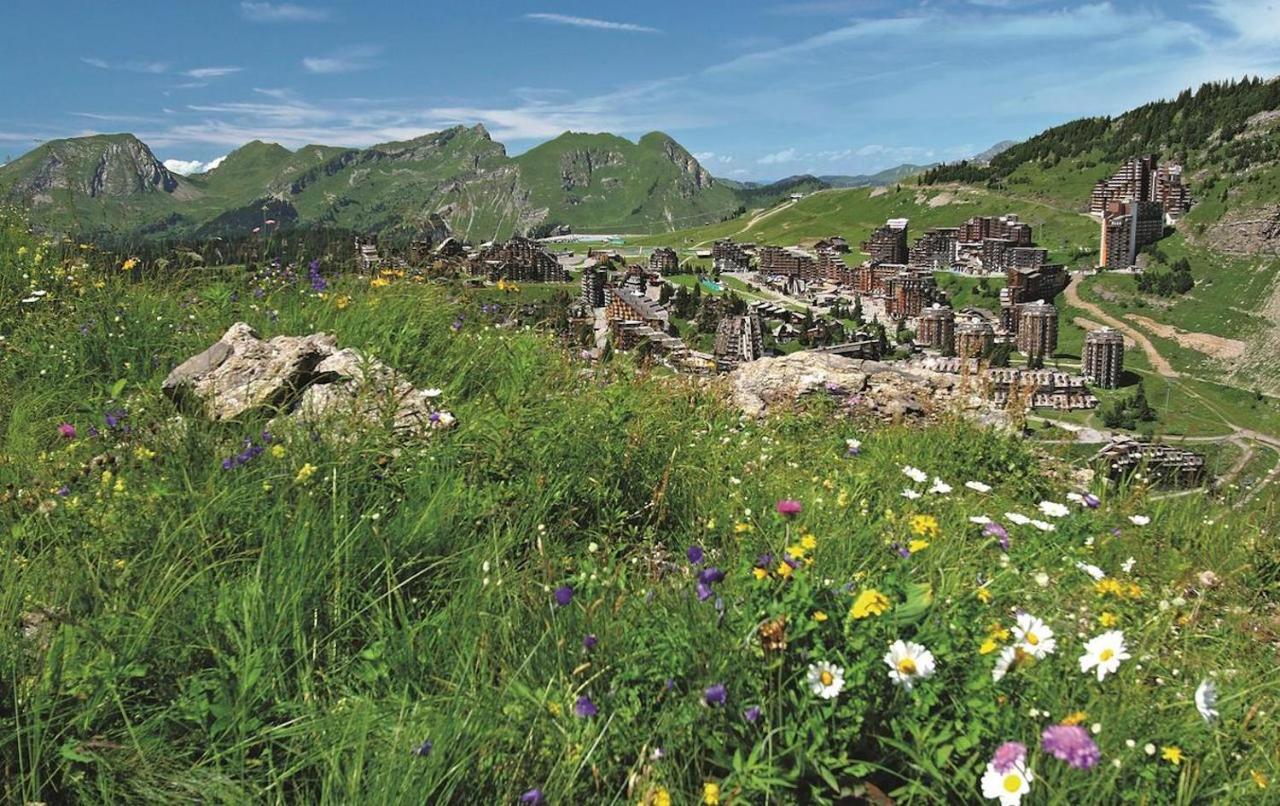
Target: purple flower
point(457, 325)
point(64, 491)
point(67, 431)
point(533, 797)
point(670, 684)
point(564, 595)
point(1008, 756)
point(788, 507)
point(589, 641)
point(752, 714)
point(710, 575)
point(1092, 501)
point(584, 707)
point(695, 555)
point(424, 749)
point(902, 550)
point(704, 591)
point(715, 694)
point(1072, 744)
point(993, 529)
point(765, 560)
point(113, 418)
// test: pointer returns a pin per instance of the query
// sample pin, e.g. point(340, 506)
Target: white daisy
point(1006, 660)
point(1053, 509)
point(825, 679)
point(1075, 498)
point(1104, 653)
point(432, 392)
point(1018, 518)
point(1127, 565)
point(940, 487)
point(1034, 636)
point(1139, 520)
point(1207, 700)
point(853, 445)
point(978, 487)
point(1009, 786)
point(908, 662)
point(981, 520)
point(916, 474)
point(1043, 525)
point(910, 494)
point(1092, 570)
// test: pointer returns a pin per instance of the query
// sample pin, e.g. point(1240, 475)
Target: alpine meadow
point(656, 405)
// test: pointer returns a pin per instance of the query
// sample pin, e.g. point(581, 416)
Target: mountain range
point(458, 180)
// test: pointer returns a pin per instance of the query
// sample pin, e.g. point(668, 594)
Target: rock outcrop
point(889, 391)
point(305, 379)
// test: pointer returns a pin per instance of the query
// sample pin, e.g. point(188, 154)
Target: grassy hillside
point(606, 183)
point(383, 627)
point(1069, 236)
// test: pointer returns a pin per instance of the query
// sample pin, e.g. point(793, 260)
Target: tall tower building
point(1104, 357)
point(1037, 330)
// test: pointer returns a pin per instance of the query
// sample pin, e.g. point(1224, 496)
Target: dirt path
point(1213, 346)
point(1158, 362)
point(755, 219)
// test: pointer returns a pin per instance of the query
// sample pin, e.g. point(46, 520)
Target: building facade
point(739, 339)
point(936, 328)
point(1103, 361)
point(1037, 337)
point(888, 244)
point(664, 260)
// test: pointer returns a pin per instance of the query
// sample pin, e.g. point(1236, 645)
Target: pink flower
point(67, 430)
point(788, 507)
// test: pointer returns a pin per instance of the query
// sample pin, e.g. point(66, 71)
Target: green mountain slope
point(602, 182)
point(458, 180)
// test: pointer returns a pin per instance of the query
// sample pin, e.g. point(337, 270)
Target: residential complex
point(888, 244)
point(1103, 361)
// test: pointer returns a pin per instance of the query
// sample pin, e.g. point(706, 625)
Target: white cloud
point(132, 67)
point(188, 167)
point(282, 12)
point(346, 60)
point(589, 22)
point(212, 72)
point(779, 157)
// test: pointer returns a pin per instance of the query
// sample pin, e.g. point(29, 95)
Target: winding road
point(1158, 362)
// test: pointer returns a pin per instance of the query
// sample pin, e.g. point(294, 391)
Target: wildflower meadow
point(604, 585)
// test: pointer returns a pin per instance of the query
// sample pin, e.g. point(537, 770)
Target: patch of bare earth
point(1213, 346)
point(1088, 324)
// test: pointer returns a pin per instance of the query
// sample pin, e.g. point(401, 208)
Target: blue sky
point(757, 89)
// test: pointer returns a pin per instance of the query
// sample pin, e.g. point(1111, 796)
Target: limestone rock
point(241, 373)
point(887, 390)
point(303, 379)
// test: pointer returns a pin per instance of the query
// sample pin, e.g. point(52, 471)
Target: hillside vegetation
point(586, 591)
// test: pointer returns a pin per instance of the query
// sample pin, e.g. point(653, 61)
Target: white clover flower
point(915, 474)
point(978, 486)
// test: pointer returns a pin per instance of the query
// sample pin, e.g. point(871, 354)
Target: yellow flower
point(1108, 619)
point(711, 524)
point(1259, 778)
point(278, 451)
point(22, 250)
point(1173, 755)
point(143, 453)
point(796, 551)
point(1076, 718)
point(711, 793)
point(924, 525)
point(119, 485)
point(984, 595)
point(809, 542)
point(819, 616)
point(842, 500)
point(1110, 586)
point(379, 282)
point(760, 573)
point(129, 265)
point(554, 708)
point(1133, 591)
point(305, 472)
point(917, 545)
point(342, 302)
point(998, 633)
point(661, 797)
point(988, 646)
point(870, 602)
point(785, 570)
point(119, 565)
point(741, 528)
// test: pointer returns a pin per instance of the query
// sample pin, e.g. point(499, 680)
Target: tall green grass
point(242, 635)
